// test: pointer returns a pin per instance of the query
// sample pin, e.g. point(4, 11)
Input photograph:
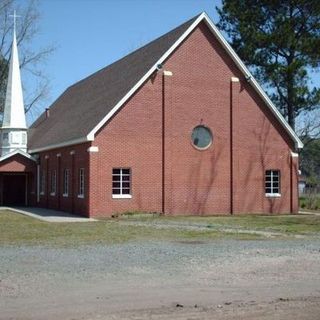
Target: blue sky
point(90, 34)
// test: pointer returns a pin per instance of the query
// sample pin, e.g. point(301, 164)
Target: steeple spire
point(13, 135)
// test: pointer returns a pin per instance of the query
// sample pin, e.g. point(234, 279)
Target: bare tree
point(31, 61)
point(308, 127)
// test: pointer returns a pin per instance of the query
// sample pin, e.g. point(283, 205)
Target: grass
point(293, 224)
point(310, 202)
point(16, 229)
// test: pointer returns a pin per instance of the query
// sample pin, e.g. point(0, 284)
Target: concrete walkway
point(48, 215)
point(310, 213)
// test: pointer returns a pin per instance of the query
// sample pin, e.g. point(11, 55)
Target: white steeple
point(13, 129)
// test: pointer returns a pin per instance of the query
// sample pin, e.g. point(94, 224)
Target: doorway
point(14, 190)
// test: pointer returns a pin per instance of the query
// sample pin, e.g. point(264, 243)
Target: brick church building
point(179, 126)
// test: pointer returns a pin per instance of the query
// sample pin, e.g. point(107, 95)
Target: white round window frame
point(209, 145)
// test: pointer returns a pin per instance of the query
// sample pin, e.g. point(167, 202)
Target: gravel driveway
point(163, 280)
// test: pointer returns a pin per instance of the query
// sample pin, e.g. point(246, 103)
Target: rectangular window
point(272, 183)
point(81, 183)
point(66, 182)
point(53, 182)
point(121, 183)
point(42, 182)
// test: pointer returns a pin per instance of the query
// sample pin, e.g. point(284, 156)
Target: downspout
point(163, 191)
point(292, 155)
point(233, 105)
point(163, 148)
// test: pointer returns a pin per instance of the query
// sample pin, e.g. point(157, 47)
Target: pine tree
point(280, 42)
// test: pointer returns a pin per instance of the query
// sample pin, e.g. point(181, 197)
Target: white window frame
point(53, 183)
point(81, 183)
point(42, 182)
point(270, 177)
point(122, 195)
point(66, 179)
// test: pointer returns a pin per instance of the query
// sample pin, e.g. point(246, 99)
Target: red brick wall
point(196, 182)
point(17, 163)
point(72, 158)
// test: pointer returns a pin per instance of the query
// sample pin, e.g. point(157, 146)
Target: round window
point(201, 137)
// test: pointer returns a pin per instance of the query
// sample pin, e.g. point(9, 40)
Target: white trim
point(167, 73)
point(62, 144)
point(58, 155)
point(93, 149)
point(81, 183)
point(18, 151)
point(235, 79)
point(72, 152)
point(15, 128)
point(66, 180)
point(144, 78)
point(252, 80)
point(294, 155)
point(203, 17)
point(121, 196)
point(52, 194)
point(46, 156)
point(121, 175)
point(234, 57)
point(273, 195)
point(65, 195)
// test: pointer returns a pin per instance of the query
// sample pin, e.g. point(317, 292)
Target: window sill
point(81, 196)
point(65, 195)
point(273, 195)
point(121, 196)
point(41, 193)
point(52, 194)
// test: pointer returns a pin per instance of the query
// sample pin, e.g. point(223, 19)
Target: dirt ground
point(223, 279)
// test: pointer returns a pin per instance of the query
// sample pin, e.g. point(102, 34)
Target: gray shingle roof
point(81, 107)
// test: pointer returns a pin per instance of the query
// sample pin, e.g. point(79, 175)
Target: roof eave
point(62, 144)
point(252, 80)
point(146, 76)
point(18, 151)
point(235, 58)
point(202, 17)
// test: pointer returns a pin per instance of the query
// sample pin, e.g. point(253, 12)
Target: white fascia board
point(93, 149)
point(13, 128)
point(60, 145)
point(253, 81)
point(234, 57)
point(144, 78)
point(13, 153)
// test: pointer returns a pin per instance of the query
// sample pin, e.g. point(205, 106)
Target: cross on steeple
point(14, 16)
